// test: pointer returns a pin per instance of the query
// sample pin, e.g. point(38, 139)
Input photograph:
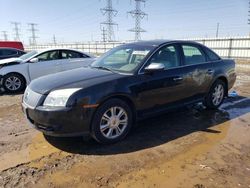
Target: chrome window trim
point(181, 66)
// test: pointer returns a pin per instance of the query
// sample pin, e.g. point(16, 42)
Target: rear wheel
point(216, 95)
point(112, 121)
point(13, 83)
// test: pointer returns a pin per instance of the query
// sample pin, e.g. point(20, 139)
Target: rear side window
point(211, 55)
point(66, 54)
point(193, 55)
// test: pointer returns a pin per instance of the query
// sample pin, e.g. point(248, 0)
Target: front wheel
point(13, 83)
point(216, 95)
point(112, 121)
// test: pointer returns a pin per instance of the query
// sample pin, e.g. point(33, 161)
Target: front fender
point(21, 69)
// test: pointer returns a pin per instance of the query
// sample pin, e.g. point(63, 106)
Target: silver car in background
point(16, 73)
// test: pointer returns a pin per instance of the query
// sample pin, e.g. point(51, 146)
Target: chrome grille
point(31, 98)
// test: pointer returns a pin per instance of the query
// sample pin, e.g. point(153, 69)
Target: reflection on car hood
point(78, 78)
point(10, 60)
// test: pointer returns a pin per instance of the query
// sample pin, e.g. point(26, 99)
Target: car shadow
point(159, 130)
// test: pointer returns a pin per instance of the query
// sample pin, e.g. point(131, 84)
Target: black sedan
point(129, 83)
point(10, 53)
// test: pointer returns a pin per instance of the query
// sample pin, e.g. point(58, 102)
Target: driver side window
point(48, 56)
point(167, 56)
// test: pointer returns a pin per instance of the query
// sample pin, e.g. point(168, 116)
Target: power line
point(16, 30)
point(5, 35)
point(33, 33)
point(138, 15)
point(109, 23)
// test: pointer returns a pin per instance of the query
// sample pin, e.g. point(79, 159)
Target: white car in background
point(16, 73)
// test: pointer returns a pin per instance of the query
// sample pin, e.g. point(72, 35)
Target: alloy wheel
point(13, 83)
point(113, 122)
point(218, 94)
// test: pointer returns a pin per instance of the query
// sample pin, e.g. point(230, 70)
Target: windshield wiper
point(103, 68)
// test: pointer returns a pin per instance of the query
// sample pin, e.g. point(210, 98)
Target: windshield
point(28, 55)
point(126, 58)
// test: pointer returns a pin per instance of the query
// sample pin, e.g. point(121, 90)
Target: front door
point(48, 63)
point(161, 89)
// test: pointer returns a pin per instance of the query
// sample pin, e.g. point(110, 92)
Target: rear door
point(48, 63)
point(72, 59)
point(199, 68)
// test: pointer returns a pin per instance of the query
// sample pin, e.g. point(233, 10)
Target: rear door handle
point(176, 79)
point(210, 71)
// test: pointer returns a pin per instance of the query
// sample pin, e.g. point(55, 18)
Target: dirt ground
point(193, 148)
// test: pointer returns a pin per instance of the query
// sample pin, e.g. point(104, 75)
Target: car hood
point(10, 60)
point(77, 78)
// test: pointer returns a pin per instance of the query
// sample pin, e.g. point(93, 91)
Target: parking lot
point(193, 147)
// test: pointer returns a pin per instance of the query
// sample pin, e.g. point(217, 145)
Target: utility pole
point(249, 15)
point(110, 13)
point(33, 31)
point(54, 39)
point(5, 35)
point(16, 30)
point(104, 34)
point(217, 30)
point(138, 15)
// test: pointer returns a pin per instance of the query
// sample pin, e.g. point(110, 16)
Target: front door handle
point(176, 79)
point(209, 71)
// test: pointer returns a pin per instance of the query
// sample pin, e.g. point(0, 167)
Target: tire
point(114, 128)
point(14, 83)
point(216, 95)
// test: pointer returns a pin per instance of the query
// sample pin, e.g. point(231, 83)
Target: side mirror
point(34, 60)
point(154, 67)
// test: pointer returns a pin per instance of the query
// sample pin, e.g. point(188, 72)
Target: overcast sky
point(79, 20)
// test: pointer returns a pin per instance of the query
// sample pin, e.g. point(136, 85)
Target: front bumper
point(63, 121)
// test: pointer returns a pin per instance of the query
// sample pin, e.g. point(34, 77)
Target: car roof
point(50, 49)
point(161, 42)
point(8, 48)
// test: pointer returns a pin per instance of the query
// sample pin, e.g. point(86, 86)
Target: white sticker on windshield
point(140, 52)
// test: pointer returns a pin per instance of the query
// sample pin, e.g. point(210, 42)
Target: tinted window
point(8, 52)
point(193, 55)
point(47, 56)
point(211, 55)
point(166, 56)
point(66, 54)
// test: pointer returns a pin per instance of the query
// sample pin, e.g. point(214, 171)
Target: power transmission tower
point(217, 30)
point(33, 33)
point(5, 35)
point(138, 15)
point(16, 30)
point(109, 12)
point(104, 34)
point(54, 39)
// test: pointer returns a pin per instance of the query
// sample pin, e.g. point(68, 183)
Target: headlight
point(59, 98)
